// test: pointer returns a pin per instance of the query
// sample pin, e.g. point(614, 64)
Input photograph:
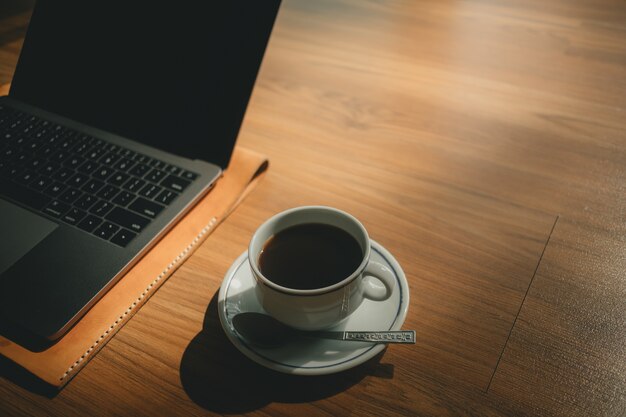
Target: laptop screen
point(175, 75)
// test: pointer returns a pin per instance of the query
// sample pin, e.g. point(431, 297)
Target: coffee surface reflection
point(310, 256)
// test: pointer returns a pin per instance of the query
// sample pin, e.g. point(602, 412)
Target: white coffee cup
point(319, 308)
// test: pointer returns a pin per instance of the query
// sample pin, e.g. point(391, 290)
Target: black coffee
point(310, 255)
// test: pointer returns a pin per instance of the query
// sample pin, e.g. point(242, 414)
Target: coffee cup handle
point(374, 275)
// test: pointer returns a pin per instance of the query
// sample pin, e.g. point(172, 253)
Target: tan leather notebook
point(62, 361)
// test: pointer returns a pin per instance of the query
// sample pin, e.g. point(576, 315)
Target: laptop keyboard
point(86, 182)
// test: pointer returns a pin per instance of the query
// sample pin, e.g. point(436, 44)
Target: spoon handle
point(404, 336)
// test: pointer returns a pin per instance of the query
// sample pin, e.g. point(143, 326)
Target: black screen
point(175, 75)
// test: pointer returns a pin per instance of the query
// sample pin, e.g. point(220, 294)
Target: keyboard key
point(108, 192)
point(13, 171)
point(59, 156)
point(88, 167)
point(166, 197)
point(175, 183)
point(36, 163)
point(26, 177)
point(49, 168)
point(41, 183)
point(134, 184)
point(86, 201)
point(111, 148)
point(70, 195)
point(63, 174)
point(118, 179)
point(41, 135)
point(127, 153)
point(101, 208)
point(23, 195)
point(55, 140)
point(110, 158)
point(80, 148)
point(89, 223)
point(124, 164)
point(123, 237)
point(155, 175)
point(94, 153)
point(93, 186)
point(8, 153)
point(172, 169)
point(77, 180)
point(143, 159)
point(73, 216)
point(150, 190)
point(127, 219)
point(67, 143)
point(106, 230)
point(56, 189)
point(56, 208)
point(28, 129)
point(146, 207)
point(22, 158)
point(46, 151)
point(32, 146)
point(139, 170)
point(74, 161)
point(123, 198)
point(189, 175)
point(103, 173)
point(17, 122)
point(155, 163)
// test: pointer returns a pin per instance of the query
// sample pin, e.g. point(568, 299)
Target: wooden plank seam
point(522, 304)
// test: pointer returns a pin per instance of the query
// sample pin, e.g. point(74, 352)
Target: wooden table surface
point(484, 144)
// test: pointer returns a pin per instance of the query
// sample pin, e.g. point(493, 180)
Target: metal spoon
point(265, 331)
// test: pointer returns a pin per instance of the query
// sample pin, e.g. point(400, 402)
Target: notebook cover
point(62, 361)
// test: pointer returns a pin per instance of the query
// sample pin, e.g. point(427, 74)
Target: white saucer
point(306, 356)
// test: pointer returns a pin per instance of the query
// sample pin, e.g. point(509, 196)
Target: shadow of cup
point(219, 378)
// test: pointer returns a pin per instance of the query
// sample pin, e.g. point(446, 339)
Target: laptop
point(121, 116)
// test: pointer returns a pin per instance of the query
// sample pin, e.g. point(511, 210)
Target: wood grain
point(570, 335)
point(458, 133)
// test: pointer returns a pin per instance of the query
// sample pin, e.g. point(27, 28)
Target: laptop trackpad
point(21, 231)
